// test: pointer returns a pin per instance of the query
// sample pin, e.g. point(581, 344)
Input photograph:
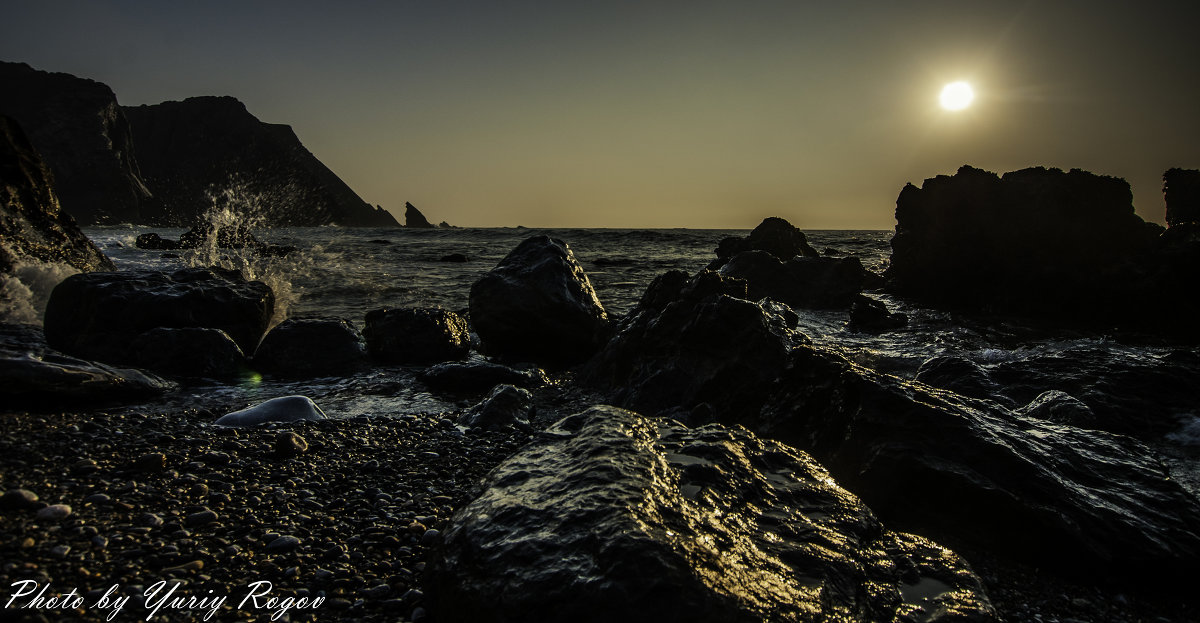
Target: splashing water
point(24, 292)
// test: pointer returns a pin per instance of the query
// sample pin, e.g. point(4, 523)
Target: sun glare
point(956, 96)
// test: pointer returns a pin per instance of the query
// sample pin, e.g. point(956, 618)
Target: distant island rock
point(414, 219)
point(203, 143)
point(33, 225)
point(79, 129)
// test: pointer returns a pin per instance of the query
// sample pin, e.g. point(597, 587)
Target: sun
point(956, 96)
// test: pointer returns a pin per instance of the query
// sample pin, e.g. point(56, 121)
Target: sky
point(660, 114)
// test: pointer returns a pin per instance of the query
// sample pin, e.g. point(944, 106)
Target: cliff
point(203, 145)
point(78, 128)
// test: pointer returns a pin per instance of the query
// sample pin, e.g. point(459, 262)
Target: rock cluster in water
point(611, 516)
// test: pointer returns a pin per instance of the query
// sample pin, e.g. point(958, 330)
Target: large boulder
point(419, 335)
point(80, 130)
point(774, 235)
point(309, 347)
point(610, 516)
point(98, 315)
point(33, 225)
point(538, 305)
point(33, 375)
point(1036, 241)
point(188, 351)
point(1083, 501)
point(799, 282)
point(693, 347)
point(506, 406)
point(189, 148)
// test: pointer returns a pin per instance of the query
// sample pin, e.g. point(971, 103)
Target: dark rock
point(222, 237)
point(33, 226)
point(445, 225)
point(1085, 502)
point(283, 545)
point(19, 499)
point(154, 242)
point(98, 315)
point(454, 258)
point(610, 516)
point(1061, 408)
point(189, 148)
point(282, 409)
point(801, 282)
point(312, 347)
point(54, 512)
point(289, 444)
point(200, 518)
point(1181, 189)
point(152, 462)
point(690, 343)
point(77, 126)
point(871, 316)
point(506, 406)
point(961, 376)
point(416, 335)
point(1037, 241)
point(34, 375)
point(192, 351)
point(538, 305)
point(472, 377)
point(775, 236)
point(414, 219)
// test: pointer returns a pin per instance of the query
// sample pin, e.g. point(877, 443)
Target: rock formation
point(80, 130)
point(413, 218)
point(33, 226)
point(309, 347)
point(538, 305)
point(1181, 189)
point(610, 516)
point(99, 315)
point(194, 150)
point(417, 335)
point(774, 235)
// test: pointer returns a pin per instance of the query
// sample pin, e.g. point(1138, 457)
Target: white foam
point(1189, 433)
point(24, 293)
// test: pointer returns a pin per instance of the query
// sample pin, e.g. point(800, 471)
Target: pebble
point(201, 518)
point(150, 520)
point(289, 444)
point(283, 545)
point(97, 498)
point(60, 551)
point(153, 462)
point(19, 498)
point(54, 512)
point(431, 538)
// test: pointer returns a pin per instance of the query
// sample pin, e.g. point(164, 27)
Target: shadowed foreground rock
point(308, 347)
point(538, 305)
point(416, 335)
point(774, 235)
point(800, 282)
point(610, 516)
point(98, 315)
point(1084, 501)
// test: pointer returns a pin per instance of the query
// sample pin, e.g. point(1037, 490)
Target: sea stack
point(414, 219)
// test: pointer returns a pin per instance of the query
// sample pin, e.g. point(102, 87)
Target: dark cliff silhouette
point(205, 144)
point(79, 130)
point(414, 219)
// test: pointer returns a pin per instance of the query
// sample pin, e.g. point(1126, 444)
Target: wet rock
point(417, 335)
point(54, 512)
point(33, 225)
point(691, 348)
point(283, 545)
point(309, 347)
point(961, 376)
point(470, 377)
point(152, 462)
point(1061, 408)
point(289, 444)
point(154, 242)
point(1085, 502)
point(774, 235)
point(282, 409)
point(414, 219)
point(19, 499)
point(200, 519)
point(504, 407)
point(610, 516)
point(871, 316)
point(31, 372)
point(801, 282)
point(538, 305)
point(192, 351)
point(98, 315)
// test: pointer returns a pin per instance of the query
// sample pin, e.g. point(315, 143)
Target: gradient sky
point(660, 114)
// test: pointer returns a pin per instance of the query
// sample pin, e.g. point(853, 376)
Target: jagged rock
point(416, 335)
point(472, 377)
point(36, 376)
point(506, 406)
point(692, 346)
point(1181, 189)
point(445, 225)
point(33, 226)
point(1085, 502)
point(871, 316)
point(189, 148)
point(414, 219)
point(282, 409)
point(153, 242)
point(610, 516)
point(80, 131)
point(774, 235)
point(312, 347)
point(1036, 241)
point(98, 315)
point(801, 282)
point(190, 351)
point(538, 305)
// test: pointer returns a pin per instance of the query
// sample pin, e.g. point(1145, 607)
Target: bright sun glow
point(956, 96)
